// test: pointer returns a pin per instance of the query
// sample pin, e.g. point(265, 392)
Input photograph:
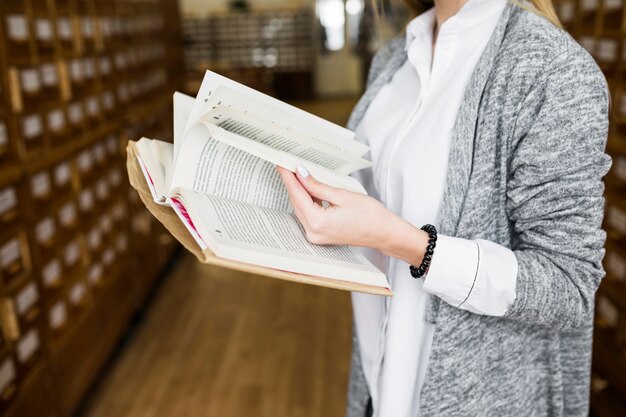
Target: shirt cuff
point(452, 270)
point(475, 275)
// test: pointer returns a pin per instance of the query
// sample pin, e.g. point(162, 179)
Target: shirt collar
point(472, 13)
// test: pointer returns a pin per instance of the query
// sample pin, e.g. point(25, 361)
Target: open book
point(219, 179)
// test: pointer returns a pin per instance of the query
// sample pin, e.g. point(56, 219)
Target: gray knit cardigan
point(525, 170)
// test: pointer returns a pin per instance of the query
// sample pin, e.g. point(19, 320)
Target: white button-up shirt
point(408, 127)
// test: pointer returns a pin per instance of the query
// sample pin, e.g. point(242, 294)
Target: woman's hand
point(350, 218)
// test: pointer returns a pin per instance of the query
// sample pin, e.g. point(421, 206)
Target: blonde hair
point(543, 8)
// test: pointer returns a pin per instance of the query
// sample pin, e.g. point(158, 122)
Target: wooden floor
point(219, 343)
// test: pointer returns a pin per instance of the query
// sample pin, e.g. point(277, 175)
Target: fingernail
point(302, 171)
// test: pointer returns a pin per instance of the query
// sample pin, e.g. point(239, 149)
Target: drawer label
point(77, 293)
point(57, 315)
point(95, 274)
point(62, 174)
point(67, 214)
point(51, 273)
point(45, 230)
point(40, 184)
point(27, 346)
point(72, 253)
point(10, 252)
point(17, 27)
point(44, 29)
point(26, 298)
point(30, 81)
point(4, 138)
point(7, 374)
point(8, 200)
point(32, 126)
point(49, 75)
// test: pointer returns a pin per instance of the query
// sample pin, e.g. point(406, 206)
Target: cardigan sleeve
point(555, 194)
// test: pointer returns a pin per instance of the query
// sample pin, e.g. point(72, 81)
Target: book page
point(183, 105)
point(278, 157)
point(208, 166)
point(306, 148)
point(275, 239)
point(216, 90)
point(156, 160)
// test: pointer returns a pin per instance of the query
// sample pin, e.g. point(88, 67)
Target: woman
point(489, 122)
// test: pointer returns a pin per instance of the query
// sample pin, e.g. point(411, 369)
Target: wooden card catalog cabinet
point(8, 379)
point(41, 189)
point(51, 274)
point(46, 235)
point(57, 316)
point(14, 256)
point(27, 350)
point(27, 303)
point(9, 205)
point(32, 132)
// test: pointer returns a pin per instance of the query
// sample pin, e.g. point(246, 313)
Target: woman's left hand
point(350, 218)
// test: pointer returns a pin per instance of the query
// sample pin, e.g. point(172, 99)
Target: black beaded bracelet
point(418, 272)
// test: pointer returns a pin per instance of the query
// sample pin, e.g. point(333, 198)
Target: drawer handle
point(15, 91)
point(7, 394)
point(8, 319)
point(15, 268)
point(32, 314)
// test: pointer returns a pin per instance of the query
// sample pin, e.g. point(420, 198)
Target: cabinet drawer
point(14, 256)
point(10, 208)
point(27, 303)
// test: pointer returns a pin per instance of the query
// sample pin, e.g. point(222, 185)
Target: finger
point(317, 189)
point(299, 197)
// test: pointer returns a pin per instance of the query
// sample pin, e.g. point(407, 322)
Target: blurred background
point(101, 313)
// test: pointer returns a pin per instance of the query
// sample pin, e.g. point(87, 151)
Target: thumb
point(318, 189)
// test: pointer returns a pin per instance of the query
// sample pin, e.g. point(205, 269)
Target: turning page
point(208, 166)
